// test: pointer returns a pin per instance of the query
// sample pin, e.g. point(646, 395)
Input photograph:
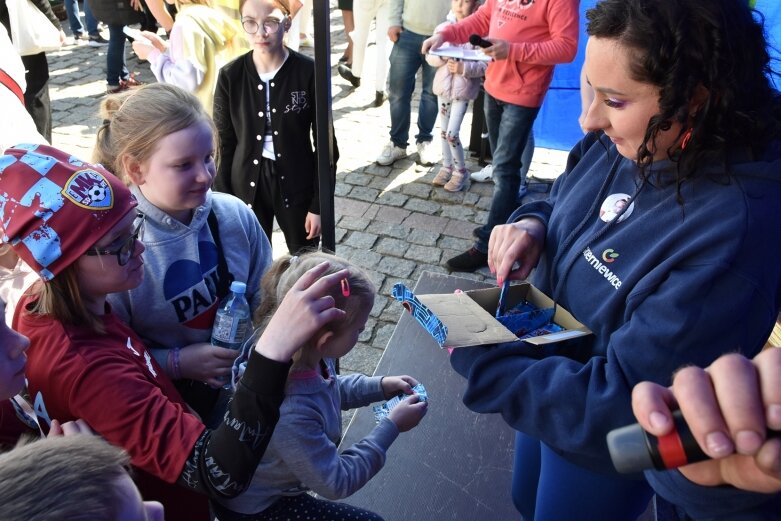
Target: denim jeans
point(116, 67)
point(508, 131)
point(405, 60)
point(72, 9)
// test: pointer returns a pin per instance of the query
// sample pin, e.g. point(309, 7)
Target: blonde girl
point(303, 454)
point(202, 40)
point(160, 140)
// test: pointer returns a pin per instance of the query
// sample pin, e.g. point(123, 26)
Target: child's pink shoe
point(458, 181)
point(443, 176)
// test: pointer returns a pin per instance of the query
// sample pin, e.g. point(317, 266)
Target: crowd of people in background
point(111, 270)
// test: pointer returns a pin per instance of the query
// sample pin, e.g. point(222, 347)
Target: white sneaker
point(426, 153)
point(390, 154)
point(484, 175)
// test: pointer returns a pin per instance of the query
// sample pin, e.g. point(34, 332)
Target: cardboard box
point(469, 316)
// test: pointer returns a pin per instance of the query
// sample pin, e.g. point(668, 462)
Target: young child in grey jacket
point(302, 454)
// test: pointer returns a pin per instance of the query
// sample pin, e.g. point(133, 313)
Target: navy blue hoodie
point(662, 286)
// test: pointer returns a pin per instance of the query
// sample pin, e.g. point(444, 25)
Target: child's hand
point(207, 363)
point(408, 413)
point(393, 385)
point(71, 428)
point(312, 225)
point(155, 40)
point(306, 308)
point(142, 50)
point(455, 67)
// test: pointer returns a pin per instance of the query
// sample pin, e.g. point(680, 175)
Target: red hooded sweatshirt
point(541, 34)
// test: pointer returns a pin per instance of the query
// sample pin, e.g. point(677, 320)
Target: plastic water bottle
point(232, 322)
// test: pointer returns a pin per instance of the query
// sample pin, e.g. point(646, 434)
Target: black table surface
point(455, 464)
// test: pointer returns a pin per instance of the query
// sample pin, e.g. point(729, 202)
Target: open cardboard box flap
point(469, 316)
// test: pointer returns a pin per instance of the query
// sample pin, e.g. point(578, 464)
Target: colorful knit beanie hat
point(54, 207)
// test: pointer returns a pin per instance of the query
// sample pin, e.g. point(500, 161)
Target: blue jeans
point(405, 60)
point(508, 131)
point(72, 9)
point(548, 487)
point(116, 67)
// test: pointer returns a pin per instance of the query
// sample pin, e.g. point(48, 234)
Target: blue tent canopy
point(557, 123)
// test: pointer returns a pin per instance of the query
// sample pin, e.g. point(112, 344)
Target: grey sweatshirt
point(175, 304)
point(418, 16)
point(302, 454)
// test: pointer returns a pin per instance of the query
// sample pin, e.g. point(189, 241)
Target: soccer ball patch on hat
point(89, 189)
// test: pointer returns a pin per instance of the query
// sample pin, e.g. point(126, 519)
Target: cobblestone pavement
point(389, 219)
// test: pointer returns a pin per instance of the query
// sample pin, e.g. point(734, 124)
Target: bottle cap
point(238, 287)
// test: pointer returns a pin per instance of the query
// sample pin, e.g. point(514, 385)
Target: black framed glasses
point(270, 25)
point(126, 250)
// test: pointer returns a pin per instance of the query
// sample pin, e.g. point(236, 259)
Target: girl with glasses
point(264, 109)
point(84, 362)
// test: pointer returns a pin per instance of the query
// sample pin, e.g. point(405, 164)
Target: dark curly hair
point(712, 51)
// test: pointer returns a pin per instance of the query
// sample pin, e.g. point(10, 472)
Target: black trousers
point(36, 97)
point(269, 203)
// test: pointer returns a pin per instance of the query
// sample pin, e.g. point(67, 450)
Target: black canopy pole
point(324, 121)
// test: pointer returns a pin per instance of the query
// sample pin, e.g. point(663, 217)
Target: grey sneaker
point(390, 154)
point(426, 153)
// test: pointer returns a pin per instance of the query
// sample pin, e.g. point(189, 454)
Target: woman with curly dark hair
point(686, 127)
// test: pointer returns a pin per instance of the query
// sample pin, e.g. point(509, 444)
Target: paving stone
point(387, 286)
point(484, 203)
point(362, 359)
point(382, 336)
point(419, 190)
point(396, 267)
point(363, 193)
point(462, 229)
point(365, 258)
point(380, 303)
point(358, 179)
point(360, 240)
point(427, 254)
point(350, 222)
point(344, 206)
point(387, 246)
point(424, 237)
point(460, 212)
point(455, 243)
point(392, 215)
point(471, 198)
point(378, 170)
point(392, 199)
point(339, 234)
point(427, 222)
point(396, 231)
point(368, 330)
point(342, 189)
point(423, 206)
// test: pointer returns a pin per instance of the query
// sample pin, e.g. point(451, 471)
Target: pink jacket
point(541, 34)
point(456, 86)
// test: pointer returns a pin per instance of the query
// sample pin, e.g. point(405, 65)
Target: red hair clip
point(345, 287)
